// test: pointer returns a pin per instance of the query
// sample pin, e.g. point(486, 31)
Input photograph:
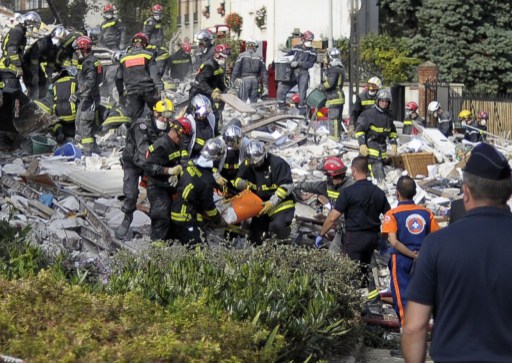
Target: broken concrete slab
point(101, 182)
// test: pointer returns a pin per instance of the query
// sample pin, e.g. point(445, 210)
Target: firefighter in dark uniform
point(39, 62)
point(153, 26)
point(331, 188)
point(89, 77)
point(248, 71)
point(236, 144)
point(163, 168)
point(270, 177)
point(362, 203)
point(112, 34)
point(13, 47)
point(180, 62)
point(472, 133)
point(203, 124)
point(205, 47)
point(210, 81)
point(364, 101)
point(137, 80)
point(411, 116)
point(63, 87)
point(333, 87)
point(162, 58)
point(195, 195)
point(373, 128)
point(304, 58)
point(66, 51)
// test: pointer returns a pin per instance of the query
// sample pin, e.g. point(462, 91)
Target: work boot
point(123, 228)
point(60, 137)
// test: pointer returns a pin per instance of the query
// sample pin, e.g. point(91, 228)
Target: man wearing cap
point(462, 274)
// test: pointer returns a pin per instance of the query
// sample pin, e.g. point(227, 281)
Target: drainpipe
point(331, 37)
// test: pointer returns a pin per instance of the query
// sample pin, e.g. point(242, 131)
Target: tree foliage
point(470, 41)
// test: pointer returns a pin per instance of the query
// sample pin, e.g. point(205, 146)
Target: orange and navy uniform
point(411, 223)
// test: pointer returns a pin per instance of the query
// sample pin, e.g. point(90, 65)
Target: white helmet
point(255, 152)
point(201, 106)
point(214, 149)
point(374, 84)
point(233, 136)
point(334, 53)
point(433, 106)
point(203, 37)
point(31, 19)
point(251, 43)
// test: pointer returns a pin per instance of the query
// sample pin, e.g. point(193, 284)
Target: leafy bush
point(44, 319)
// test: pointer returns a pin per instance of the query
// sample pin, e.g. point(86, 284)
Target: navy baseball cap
point(487, 162)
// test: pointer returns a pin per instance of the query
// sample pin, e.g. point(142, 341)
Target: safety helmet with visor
point(201, 106)
point(255, 153)
point(30, 20)
point(214, 149)
point(140, 40)
point(157, 11)
point(433, 107)
point(233, 136)
point(334, 167)
point(182, 126)
point(108, 11)
point(373, 85)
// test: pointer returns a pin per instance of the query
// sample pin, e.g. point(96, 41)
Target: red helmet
point(413, 106)
point(108, 8)
point(307, 36)
point(333, 166)
point(482, 115)
point(185, 125)
point(140, 38)
point(157, 8)
point(223, 50)
point(295, 98)
point(187, 48)
point(83, 42)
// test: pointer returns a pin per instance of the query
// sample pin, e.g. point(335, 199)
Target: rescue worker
point(411, 115)
point(334, 77)
point(195, 195)
point(483, 118)
point(248, 72)
point(40, 60)
point(373, 128)
point(205, 47)
point(364, 101)
point(201, 117)
point(471, 133)
point(66, 51)
point(63, 87)
point(162, 58)
point(146, 131)
point(180, 62)
point(270, 177)
point(13, 47)
point(304, 57)
point(236, 144)
point(112, 35)
point(137, 81)
point(153, 26)
point(444, 118)
point(210, 81)
point(336, 172)
point(89, 77)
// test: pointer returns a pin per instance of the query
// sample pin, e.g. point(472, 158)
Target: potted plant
point(261, 17)
point(206, 11)
point(222, 8)
point(235, 21)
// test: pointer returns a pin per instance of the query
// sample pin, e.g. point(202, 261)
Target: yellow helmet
point(164, 106)
point(465, 114)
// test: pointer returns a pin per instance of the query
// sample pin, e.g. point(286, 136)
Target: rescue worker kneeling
point(195, 194)
point(270, 177)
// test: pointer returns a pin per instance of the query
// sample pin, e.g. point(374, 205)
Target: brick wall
point(427, 72)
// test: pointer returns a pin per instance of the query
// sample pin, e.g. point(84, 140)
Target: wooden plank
point(270, 120)
point(237, 103)
point(40, 206)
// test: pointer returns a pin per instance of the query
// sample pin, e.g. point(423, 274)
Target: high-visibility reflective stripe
point(373, 152)
point(282, 206)
point(393, 135)
point(43, 106)
point(135, 57)
point(333, 194)
point(380, 130)
point(116, 120)
point(230, 166)
point(193, 171)
point(212, 212)
point(187, 191)
point(87, 140)
point(151, 148)
point(373, 294)
point(218, 71)
point(174, 155)
point(281, 192)
point(408, 123)
point(158, 26)
point(69, 118)
point(163, 57)
point(109, 24)
point(180, 61)
point(200, 141)
point(184, 153)
point(359, 134)
point(368, 102)
point(269, 187)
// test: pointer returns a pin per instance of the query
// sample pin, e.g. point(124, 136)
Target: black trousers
point(131, 178)
point(359, 246)
point(160, 200)
point(279, 224)
point(135, 103)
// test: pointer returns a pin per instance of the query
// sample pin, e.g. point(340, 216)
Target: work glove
point(73, 98)
point(267, 207)
point(175, 170)
point(264, 93)
point(294, 64)
point(243, 184)
point(319, 241)
point(394, 148)
point(173, 181)
point(320, 87)
point(220, 179)
point(19, 72)
point(363, 150)
point(216, 94)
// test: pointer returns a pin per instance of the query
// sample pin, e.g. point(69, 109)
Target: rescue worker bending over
point(364, 101)
point(270, 177)
point(210, 81)
point(236, 144)
point(304, 57)
point(336, 171)
point(153, 26)
point(443, 118)
point(195, 195)
point(63, 87)
point(206, 48)
point(180, 63)
point(373, 129)
point(66, 51)
point(112, 34)
point(89, 78)
point(202, 119)
point(472, 133)
point(334, 77)
point(163, 169)
point(249, 70)
point(411, 115)
point(137, 80)
point(13, 47)
point(161, 58)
